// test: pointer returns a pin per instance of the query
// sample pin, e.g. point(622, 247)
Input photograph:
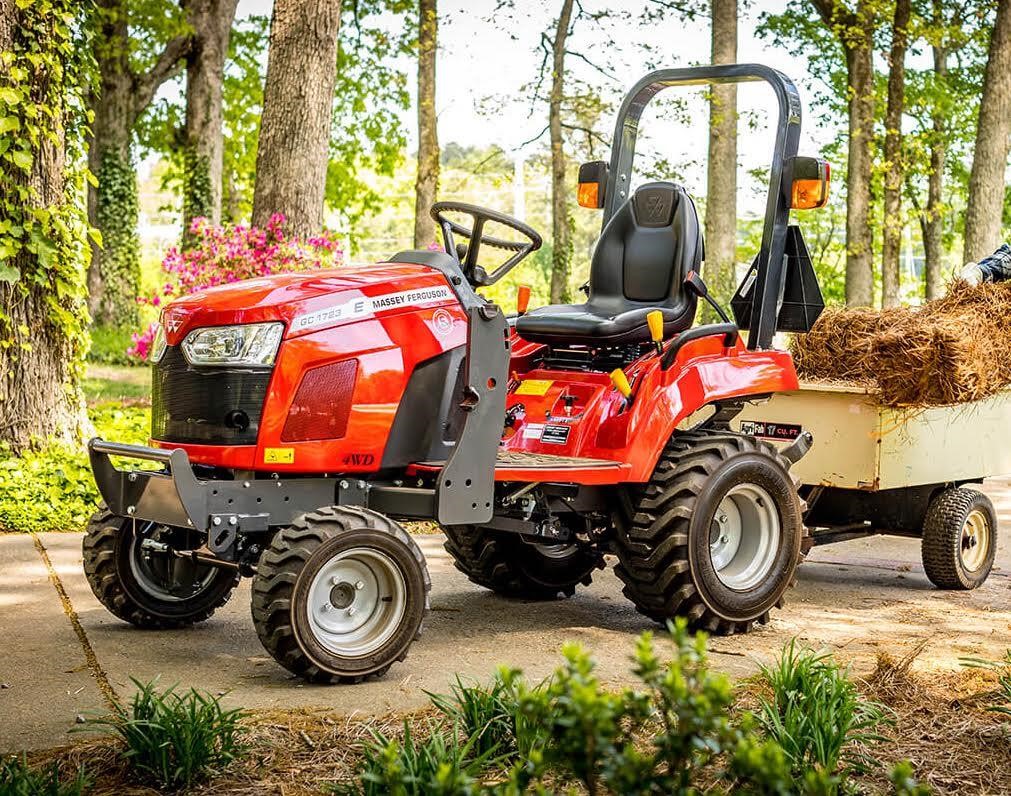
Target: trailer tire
point(328, 567)
point(507, 565)
point(667, 557)
point(117, 579)
point(959, 539)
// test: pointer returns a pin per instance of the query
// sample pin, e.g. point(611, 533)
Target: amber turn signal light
point(810, 189)
point(592, 184)
point(522, 299)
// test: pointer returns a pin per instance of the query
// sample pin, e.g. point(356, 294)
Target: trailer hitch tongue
point(798, 449)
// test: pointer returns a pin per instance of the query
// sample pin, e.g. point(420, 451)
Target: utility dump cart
point(906, 472)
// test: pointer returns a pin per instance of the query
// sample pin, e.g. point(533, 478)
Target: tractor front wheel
point(147, 585)
point(716, 534)
point(509, 565)
point(340, 595)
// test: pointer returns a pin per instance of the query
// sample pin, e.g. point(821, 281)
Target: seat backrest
point(646, 250)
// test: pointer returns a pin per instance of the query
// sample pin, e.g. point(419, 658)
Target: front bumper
point(175, 496)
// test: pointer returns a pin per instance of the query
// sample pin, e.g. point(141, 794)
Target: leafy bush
point(175, 739)
point(816, 714)
point(17, 778)
point(52, 489)
point(109, 346)
point(223, 254)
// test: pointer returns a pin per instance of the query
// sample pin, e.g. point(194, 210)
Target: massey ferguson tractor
point(297, 419)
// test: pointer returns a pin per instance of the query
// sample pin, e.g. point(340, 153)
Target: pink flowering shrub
point(220, 255)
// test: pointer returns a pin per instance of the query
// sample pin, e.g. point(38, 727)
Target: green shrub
point(17, 778)
point(175, 739)
point(489, 716)
point(439, 765)
point(903, 781)
point(109, 345)
point(817, 715)
point(52, 489)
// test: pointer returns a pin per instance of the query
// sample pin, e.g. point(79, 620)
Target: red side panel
point(580, 415)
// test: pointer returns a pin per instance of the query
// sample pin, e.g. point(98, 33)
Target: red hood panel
point(308, 302)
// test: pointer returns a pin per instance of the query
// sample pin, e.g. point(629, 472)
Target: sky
point(484, 63)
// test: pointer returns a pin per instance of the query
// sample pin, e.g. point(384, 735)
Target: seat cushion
point(583, 324)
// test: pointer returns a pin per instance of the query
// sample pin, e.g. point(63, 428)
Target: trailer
point(907, 472)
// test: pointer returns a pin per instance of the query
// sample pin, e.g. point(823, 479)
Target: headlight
point(158, 344)
point(251, 344)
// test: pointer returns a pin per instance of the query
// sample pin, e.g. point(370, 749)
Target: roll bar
point(771, 277)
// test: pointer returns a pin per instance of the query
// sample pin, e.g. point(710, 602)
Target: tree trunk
point(427, 185)
point(859, 238)
point(561, 226)
point(211, 21)
point(295, 127)
point(989, 162)
point(894, 176)
point(933, 245)
point(40, 394)
point(114, 272)
point(721, 189)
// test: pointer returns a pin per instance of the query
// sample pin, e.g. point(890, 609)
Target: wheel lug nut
point(359, 585)
point(723, 518)
point(351, 611)
point(326, 607)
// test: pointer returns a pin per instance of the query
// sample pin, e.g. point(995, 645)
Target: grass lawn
point(130, 385)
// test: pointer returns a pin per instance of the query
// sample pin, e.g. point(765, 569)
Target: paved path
point(64, 656)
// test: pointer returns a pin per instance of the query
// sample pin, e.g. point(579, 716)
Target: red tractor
point(298, 418)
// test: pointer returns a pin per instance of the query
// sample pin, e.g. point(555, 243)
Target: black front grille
point(206, 405)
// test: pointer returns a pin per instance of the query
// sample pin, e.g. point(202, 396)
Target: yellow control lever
point(620, 382)
point(654, 319)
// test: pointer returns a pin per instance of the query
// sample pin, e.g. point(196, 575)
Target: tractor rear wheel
point(509, 565)
point(340, 595)
point(146, 587)
point(716, 534)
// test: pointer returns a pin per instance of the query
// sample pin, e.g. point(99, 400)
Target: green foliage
point(52, 489)
point(17, 778)
point(44, 80)
point(109, 344)
point(117, 212)
point(817, 715)
point(490, 716)
point(903, 781)
point(197, 190)
point(175, 739)
point(438, 765)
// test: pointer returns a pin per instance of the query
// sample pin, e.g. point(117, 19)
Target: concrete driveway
point(65, 657)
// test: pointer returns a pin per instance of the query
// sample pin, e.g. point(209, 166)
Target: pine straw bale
point(952, 350)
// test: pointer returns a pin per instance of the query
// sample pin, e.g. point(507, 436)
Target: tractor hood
point(308, 302)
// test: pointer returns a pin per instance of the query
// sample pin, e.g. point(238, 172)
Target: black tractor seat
point(642, 258)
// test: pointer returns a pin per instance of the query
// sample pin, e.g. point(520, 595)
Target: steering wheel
point(475, 274)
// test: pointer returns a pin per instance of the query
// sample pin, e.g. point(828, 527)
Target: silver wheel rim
point(974, 545)
point(744, 537)
point(356, 602)
point(144, 577)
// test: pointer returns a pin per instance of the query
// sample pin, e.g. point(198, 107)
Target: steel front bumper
point(175, 496)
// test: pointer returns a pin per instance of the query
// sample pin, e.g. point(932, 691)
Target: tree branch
point(168, 66)
point(584, 59)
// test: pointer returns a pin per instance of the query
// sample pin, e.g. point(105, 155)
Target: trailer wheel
point(150, 589)
point(340, 595)
point(959, 539)
point(716, 534)
point(509, 565)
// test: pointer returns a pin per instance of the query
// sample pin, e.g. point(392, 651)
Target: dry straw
point(952, 350)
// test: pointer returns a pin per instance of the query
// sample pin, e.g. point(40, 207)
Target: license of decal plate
point(534, 387)
point(769, 430)
point(555, 434)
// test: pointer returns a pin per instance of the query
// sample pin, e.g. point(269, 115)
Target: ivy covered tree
point(130, 72)
point(44, 65)
point(427, 182)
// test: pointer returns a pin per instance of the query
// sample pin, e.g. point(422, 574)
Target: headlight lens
point(158, 344)
point(251, 344)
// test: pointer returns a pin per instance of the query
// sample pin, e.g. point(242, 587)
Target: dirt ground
point(66, 657)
